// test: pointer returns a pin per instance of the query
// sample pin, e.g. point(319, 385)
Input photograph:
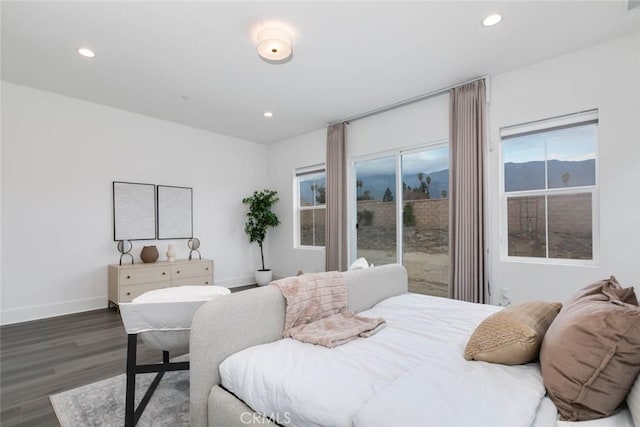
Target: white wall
point(284, 158)
point(603, 76)
point(416, 124)
point(59, 158)
point(606, 77)
point(1, 150)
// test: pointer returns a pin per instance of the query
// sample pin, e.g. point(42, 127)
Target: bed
point(410, 373)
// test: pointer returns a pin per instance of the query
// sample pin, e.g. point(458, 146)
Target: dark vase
point(149, 254)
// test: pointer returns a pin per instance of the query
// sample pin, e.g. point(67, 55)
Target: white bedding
point(404, 375)
point(411, 373)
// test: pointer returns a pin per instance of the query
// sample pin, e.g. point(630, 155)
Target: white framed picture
point(175, 212)
point(134, 211)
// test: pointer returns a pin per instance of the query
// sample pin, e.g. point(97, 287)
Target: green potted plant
point(259, 218)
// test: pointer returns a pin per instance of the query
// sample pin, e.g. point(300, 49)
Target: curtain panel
point(336, 199)
point(467, 136)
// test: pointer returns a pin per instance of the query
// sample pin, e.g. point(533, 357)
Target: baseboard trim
point(236, 282)
point(43, 311)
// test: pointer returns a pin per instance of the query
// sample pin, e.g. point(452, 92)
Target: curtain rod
point(406, 102)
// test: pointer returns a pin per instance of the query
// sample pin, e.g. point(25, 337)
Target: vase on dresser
point(171, 253)
point(149, 254)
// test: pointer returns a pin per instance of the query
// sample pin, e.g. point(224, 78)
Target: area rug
point(102, 403)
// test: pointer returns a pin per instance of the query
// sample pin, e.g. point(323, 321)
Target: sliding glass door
point(412, 229)
point(425, 220)
point(376, 221)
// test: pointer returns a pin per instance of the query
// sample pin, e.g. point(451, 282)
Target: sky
point(572, 144)
point(424, 161)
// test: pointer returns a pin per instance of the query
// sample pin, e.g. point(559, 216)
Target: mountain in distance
point(530, 175)
point(518, 177)
point(377, 184)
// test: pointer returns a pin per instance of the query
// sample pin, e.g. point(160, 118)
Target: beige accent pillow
point(590, 356)
point(512, 336)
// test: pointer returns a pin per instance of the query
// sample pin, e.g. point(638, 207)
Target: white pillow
point(359, 264)
point(181, 293)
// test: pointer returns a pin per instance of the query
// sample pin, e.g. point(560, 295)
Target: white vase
point(171, 254)
point(263, 277)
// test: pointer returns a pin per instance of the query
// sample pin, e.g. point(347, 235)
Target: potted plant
point(259, 219)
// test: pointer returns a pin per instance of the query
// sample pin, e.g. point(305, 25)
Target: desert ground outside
point(426, 255)
point(428, 273)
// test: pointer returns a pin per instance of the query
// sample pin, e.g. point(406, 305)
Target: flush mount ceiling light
point(268, 114)
point(274, 45)
point(88, 53)
point(491, 20)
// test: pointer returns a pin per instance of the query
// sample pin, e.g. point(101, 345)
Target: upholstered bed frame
point(230, 324)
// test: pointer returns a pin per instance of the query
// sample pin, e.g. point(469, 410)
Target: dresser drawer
point(191, 269)
point(127, 282)
point(129, 292)
point(201, 280)
point(132, 276)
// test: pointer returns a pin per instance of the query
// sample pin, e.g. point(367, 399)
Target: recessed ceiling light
point(268, 114)
point(86, 52)
point(491, 20)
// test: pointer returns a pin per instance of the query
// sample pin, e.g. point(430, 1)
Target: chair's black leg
point(147, 397)
point(131, 413)
point(129, 409)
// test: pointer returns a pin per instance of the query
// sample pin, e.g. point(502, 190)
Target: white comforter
point(412, 373)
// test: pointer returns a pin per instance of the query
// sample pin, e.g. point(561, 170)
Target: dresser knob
point(207, 268)
point(128, 293)
point(128, 277)
point(163, 273)
point(206, 283)
point(178, 272)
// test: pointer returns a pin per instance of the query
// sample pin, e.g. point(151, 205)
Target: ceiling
point(195, 63)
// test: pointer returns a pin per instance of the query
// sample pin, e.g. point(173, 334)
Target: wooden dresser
point(131, 280)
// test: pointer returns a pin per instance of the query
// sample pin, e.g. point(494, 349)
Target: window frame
point(583, 118)
point(297, 209)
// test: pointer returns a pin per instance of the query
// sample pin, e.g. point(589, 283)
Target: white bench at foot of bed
point(162, 318)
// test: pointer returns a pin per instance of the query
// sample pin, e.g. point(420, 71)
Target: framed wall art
point(134, 211)
point(175, 212)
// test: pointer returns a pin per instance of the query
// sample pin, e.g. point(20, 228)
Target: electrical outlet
point(506, 297)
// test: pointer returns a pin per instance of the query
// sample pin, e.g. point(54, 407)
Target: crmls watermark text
point(252, 418)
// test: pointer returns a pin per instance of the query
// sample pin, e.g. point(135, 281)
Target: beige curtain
point(467, 121)
point(336, 198)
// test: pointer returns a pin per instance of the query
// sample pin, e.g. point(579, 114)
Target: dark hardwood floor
point(48, 356)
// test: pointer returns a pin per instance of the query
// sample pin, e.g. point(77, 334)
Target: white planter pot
point(263, 277)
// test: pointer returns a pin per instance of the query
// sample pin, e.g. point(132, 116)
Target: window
point(549, 193)
point(310, 206)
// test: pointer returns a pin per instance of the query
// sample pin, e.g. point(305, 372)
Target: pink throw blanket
point(337, 329)
point(317, 310)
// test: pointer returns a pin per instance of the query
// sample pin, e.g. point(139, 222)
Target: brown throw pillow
point(603, 290)
point(590, 355)
point(512, 336)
